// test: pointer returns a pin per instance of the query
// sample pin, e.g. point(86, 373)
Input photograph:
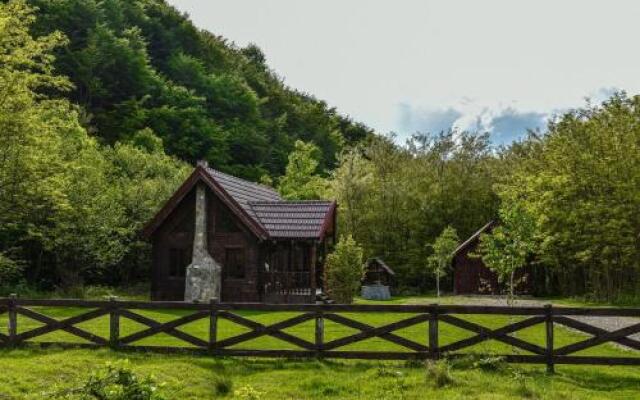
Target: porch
point(293, 271)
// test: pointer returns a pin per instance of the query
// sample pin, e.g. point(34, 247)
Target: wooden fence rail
point(432, 314)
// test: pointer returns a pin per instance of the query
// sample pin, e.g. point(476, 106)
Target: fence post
point(114, 323)
point(319, 332)
point(549, 326)
point(13, 319)
point(433, 332)
point(213, 324)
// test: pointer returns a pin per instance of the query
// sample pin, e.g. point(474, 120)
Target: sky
point(407, 66)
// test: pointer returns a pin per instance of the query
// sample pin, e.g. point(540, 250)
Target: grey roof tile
point(281, 219)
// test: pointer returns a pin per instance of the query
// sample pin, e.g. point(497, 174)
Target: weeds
point(439, 373)
point(222, 385)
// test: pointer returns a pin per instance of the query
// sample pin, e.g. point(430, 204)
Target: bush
point(115, 382)
point(485, 363)
point(344, 270)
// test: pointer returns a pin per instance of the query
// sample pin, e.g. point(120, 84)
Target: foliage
point(443, 249)
point(344, 270)
point(506, 249)
point(70, 208)
point(10, 270)
point(300, 181)
point(393, 199)
point(482, 362)
point(141, 64)
point(115, 382)
point(581, 182)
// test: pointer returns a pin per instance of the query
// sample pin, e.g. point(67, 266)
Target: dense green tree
point(580, 180)
point(139, 64)
point(506, 249)
point(344, 270)
point(443, 247)
point(301, 180)
point(70, 208)
point(393, 199)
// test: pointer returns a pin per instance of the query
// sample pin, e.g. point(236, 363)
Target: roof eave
point(328, 218)
point(201, 174)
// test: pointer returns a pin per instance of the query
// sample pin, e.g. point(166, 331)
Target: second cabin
point(271, 250)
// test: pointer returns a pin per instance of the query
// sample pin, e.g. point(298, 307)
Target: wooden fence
point(430, 348)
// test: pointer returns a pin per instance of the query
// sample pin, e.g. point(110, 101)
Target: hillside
point(140, 64)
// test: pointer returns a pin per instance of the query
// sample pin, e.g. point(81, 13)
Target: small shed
point(376, 271)
point(471, 276)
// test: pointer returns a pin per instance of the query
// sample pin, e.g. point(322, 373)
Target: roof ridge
point(235, 178)
point(290, 202)
point(474, 236)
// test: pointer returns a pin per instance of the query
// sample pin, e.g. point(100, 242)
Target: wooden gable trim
point(475, 237)
point(233, 205)
point(328, 218)
point(200, 174)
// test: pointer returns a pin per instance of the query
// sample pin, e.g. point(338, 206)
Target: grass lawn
point(34, 373)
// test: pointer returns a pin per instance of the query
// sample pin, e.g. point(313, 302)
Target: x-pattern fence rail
point(430, 349)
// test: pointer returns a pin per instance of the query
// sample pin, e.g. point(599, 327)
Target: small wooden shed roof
point(382, 264)
point(475, 237)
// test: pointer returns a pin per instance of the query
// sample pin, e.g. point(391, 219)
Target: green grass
point(32, 373)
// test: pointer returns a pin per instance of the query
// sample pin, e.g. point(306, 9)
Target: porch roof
point(294, 219)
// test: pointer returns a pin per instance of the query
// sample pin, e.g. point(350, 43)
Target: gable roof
point(259, 207)
point(475, 236)
point(382, 264)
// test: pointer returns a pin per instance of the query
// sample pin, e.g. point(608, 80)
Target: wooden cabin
point(376, 271)
point(270, 250)
point(471, 276)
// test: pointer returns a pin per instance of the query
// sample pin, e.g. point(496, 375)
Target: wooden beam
point(312, 271)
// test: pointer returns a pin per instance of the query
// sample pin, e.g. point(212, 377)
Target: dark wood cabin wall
point(177, 232)
point(221, 238)
point(471, 276)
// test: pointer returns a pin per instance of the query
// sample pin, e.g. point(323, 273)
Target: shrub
point(439, 373)
point(486, 363)
point(344, 270)
point(115, 382)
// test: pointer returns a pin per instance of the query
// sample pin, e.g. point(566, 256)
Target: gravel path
point(607, 323)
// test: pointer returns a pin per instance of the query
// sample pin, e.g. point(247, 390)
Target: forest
point(105, 105)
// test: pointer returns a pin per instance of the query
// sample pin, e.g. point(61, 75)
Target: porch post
point(312, 270)
point(289, 272)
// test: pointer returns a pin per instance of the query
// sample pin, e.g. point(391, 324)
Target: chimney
point(202, 163)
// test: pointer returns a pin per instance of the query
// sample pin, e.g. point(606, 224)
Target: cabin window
point(234, 262)
point(178, 262)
